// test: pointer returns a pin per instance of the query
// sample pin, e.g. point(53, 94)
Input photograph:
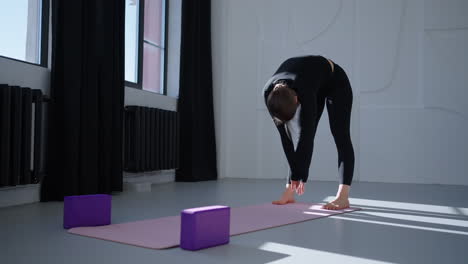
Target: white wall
point(24, 74)
point(406, 60)
point(149, 99)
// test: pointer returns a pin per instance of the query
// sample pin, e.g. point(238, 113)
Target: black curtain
point(195, 106)
point(84, 146)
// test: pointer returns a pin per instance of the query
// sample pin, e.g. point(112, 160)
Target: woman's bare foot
point(287, 197)
point(341, 201)
point(337, 204)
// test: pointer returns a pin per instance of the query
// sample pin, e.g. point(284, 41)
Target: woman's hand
point(297, 186)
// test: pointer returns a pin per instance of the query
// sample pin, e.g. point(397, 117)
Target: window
point(131, 40)
point(24, 30)
point(145, 44)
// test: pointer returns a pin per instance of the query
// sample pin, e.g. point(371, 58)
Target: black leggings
point(338, 97)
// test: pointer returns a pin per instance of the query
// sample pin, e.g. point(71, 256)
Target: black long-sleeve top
point(306, 75)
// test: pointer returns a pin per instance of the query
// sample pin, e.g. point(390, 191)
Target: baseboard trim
point(141, 182)
point(18, 195)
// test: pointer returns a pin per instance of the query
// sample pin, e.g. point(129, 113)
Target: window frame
point(141, 28)
point(44, 52)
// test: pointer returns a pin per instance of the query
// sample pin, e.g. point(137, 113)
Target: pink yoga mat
point(164, 232)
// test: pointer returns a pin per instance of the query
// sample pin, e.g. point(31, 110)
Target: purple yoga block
point(86, 210)
point(204, 227)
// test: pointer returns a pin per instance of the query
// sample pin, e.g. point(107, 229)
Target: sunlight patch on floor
point(306, 255)
point(315, 213)
point(405, 206)
point(425, 219)
point(402, 225)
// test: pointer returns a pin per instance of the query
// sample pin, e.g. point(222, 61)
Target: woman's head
point(282, 102)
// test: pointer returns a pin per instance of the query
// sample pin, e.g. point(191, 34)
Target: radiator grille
point(20, 135)
point(151, 139)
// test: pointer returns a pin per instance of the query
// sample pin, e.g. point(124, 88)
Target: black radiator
point(20, 135)
point(151, 139)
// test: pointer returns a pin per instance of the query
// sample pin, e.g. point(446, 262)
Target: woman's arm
point(303, 154)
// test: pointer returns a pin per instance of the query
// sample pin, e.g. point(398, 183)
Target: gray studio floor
point(401, 223)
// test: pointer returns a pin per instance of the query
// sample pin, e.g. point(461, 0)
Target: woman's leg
point(339, 105)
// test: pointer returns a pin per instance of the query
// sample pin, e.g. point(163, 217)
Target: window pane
point(131, 40)
point(20, 29)
point(154, 11)
point(152, 68)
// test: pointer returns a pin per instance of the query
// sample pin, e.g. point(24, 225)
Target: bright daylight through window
point(145, 44)
point(24, 33)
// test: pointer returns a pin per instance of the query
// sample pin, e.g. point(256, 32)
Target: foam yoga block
point(204, 227)
point(86, 210)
